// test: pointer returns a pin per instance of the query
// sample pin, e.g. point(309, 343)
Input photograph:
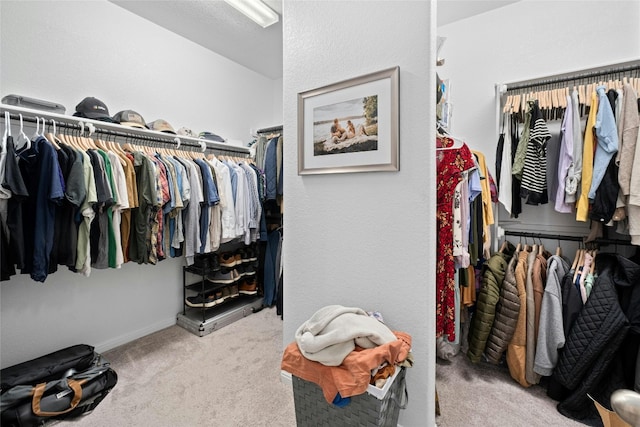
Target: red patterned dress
point(450, 163)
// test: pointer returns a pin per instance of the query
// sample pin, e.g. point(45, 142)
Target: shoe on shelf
point(219, 296)
point(200, 301)
point(246, 270)
point(214, 263)
point(226, 293)
point(223, 278)
point(248, 287)
point(253, 253)
point(233, 289)
point(246, 255)
point(227, 259)
point(238, 257)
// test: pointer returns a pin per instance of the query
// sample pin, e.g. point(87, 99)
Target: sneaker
point(223, 278)
point(227, 259)
point(253, 254)
point(219, 296)
point(248, 287)
point(214, 263)
point(238, 257)
point(226, 293)
point(200, 301)
point(246, 271)
point(233, 289)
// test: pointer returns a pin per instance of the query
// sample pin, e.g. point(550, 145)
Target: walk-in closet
point(196, 317)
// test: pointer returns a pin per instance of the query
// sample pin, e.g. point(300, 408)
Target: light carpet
point(231, 378)
point(485, 395)
point(173, 378)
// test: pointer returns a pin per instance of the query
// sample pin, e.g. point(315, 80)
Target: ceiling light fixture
point(256, 10)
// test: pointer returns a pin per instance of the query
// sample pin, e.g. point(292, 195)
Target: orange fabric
point(353, 376)
point(469, 292)
point(383, 373)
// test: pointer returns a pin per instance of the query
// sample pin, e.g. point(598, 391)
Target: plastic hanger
point(7, 130)
point(23, 140)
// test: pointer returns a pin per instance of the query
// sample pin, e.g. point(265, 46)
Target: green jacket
point(493, 272)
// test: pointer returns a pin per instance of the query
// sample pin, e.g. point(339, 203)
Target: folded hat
point(93, 108)
point(186, 132)
point(211, 137)
point(130, 118)
point(161, 126)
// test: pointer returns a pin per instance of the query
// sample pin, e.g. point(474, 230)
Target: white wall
point(365, 240)
point(64, 51)
point(529, 40)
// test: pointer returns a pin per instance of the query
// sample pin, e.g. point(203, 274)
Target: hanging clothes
point(551, 336)
point(566, 165)
point(507, 311)
point(450, 164)
point(505, 177)
point(607, 136)
point(534, 182)
point(517, 348)
point(582, 207)
point(42, 177)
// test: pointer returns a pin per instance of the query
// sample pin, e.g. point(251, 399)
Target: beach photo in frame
point(350, 126)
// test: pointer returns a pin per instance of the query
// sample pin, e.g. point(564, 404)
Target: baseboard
point(134, 335)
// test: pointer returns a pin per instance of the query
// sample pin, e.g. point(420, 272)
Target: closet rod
point(576, 76)
point(116, 129)
point(599, 241)
point(271, 129)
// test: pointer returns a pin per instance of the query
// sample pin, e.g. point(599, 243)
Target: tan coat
point(625, 157)
point(517, 349)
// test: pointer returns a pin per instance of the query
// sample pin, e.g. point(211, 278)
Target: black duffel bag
point(61, 392)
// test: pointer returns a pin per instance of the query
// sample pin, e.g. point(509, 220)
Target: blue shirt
point(607, 135)
point(41, 173)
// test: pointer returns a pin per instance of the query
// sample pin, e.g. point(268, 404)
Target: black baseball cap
point(130, 118)
point(93, 108)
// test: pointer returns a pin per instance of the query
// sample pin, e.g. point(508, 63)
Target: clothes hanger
point(52, 138)
point(22, 139)
point(579, 265)
point(7, 130)
point(540, 247)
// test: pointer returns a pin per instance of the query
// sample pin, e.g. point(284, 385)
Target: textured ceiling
point(220, 28)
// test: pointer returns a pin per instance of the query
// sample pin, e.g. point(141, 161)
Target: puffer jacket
point(507, 312)
point(493, 273)
point(517, 349)
point(591, 360)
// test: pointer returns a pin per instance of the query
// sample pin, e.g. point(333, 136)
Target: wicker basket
point(364, 410)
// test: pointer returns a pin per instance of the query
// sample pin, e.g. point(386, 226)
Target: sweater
point(333, 332)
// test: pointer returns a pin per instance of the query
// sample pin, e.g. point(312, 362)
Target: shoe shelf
point(224, 280)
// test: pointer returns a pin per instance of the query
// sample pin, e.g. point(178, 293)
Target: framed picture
point(350, 126)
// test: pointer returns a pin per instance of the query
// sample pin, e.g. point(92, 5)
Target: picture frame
point(350, 126)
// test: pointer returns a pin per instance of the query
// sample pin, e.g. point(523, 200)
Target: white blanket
point(334, 331)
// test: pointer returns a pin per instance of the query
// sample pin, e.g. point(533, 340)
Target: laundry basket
point(377, 407)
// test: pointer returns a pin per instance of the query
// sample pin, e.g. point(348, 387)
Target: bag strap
point(38, 391)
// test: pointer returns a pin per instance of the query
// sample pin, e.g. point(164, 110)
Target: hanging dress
point(450, 164)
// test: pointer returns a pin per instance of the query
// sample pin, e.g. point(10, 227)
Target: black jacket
point(593, 354)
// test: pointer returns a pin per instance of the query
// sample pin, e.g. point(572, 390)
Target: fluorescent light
point(256, 10)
